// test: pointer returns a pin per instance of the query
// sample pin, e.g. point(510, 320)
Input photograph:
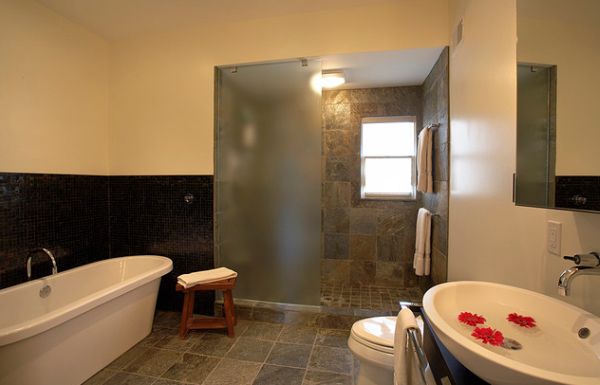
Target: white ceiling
point(362, 70)
point(384, 69)
point(114, 19)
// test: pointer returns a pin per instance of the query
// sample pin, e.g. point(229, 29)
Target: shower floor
point(368, 297)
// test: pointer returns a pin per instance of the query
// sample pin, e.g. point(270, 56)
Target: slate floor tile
point(122, 378)
point(298, 335)
point(167, 319)
point(263, 353)
point(250, 349)
point(101, 377)
point(164, 381)
point(156, 335)
point(279, 375)
point(192, 368)
point(314, 377)
point(331, 359)
point(174, 342)
point(212, 344)
point(333, 337)
point(295, 355)
point(127, 357)
point(233, 372)
point(153, 362)
point(263, 331)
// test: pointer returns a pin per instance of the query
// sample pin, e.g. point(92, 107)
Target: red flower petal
point(488, 336)
point(523, 321)
point(470, 318)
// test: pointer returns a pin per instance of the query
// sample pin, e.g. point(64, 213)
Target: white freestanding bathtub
point(93, 314)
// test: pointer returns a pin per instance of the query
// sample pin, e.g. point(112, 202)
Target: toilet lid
point(377, 330)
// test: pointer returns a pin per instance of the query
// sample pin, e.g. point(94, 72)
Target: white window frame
point(393, 196)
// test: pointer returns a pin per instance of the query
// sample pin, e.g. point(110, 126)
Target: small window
point(387, 151)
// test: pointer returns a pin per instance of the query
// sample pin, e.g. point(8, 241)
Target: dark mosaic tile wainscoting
point(67, 214)
point(165, 215)
point(83, 219)
point(578, 192)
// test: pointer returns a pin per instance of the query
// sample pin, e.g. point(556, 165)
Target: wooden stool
point(188, 322)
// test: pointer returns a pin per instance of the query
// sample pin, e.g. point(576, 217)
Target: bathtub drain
point(45, 291)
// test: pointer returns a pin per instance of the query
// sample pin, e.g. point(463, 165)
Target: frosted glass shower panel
point(268, 180)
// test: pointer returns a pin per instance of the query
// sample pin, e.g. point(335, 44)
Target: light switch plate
point(553, 237)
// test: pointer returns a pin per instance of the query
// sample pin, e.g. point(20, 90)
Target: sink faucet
point(586, 264)
point(33, 252)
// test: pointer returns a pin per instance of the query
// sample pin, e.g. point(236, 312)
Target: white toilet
point(372, 343)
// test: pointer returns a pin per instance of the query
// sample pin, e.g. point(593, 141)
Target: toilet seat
point(375, 333)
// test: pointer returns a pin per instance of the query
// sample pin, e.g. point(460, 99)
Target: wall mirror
point(558, 119)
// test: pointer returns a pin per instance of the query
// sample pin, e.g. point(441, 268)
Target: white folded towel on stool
point(205, 276)
point(404, 359)
point(422, 257)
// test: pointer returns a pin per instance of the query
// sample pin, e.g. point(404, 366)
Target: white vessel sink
point(552, 352)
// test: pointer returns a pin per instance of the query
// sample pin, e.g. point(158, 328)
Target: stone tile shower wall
point(435, 110)
point(365, 242)
point(68, 214)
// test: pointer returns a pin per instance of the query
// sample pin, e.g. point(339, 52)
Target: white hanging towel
point(424, 161)
point(205, 276)
point(405, 362)
point(422, 258)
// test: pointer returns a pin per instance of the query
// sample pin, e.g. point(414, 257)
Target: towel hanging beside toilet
point(422, 257)
point(408, 369)
point(403, 359)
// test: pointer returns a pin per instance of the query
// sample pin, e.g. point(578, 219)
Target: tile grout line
point(182, 353)
point(267, 356)
point(309, 358)
point(188, 351)
point(213, 370)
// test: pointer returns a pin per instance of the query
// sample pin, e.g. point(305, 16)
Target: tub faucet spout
point(33, 252)
point(587, 264)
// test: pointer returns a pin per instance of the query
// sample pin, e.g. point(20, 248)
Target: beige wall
point(53, 93)
point(162, 85)
point(56, 114)
point(561, 33)
point(490, 239)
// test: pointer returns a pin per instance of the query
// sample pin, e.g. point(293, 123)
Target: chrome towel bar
point(414, 335)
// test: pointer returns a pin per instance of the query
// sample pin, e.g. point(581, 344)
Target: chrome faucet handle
point(591, 259)
point(34, 252)
point(585, 264)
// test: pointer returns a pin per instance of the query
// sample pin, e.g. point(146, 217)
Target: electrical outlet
point(553, 237)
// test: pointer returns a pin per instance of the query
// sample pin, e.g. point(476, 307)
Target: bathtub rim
point(16, 332)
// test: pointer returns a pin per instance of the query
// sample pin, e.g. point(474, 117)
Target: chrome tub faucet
point(34, 252)
point(586, 264)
